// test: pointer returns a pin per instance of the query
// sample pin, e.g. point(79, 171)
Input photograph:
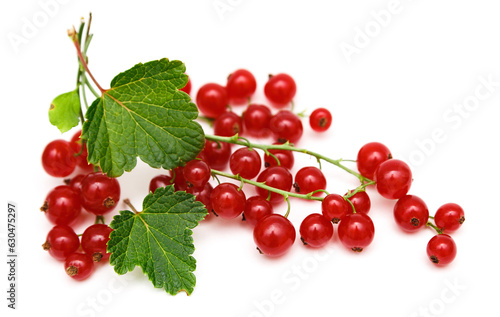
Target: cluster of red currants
point(90, 191)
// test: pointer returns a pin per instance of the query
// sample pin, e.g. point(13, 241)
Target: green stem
point(358, 189)
point(433, 226)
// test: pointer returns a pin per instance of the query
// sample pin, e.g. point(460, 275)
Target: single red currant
point(356, 231)
point(94, 241)
point(61, 241)
point(228, 124)
point(79, 266)
point(393, 179)
point(241, 85)
point(212, 100)
point(228, 201)
point(274, 235)
point(309, 179)
point(217, 154)
point(62, 205)
point(280, 89)
point(58, 158)
point(277, 177)
point(160, 181)
point(370, 156)
point(196, 173)
point(187, 88)
point(245, 162)
point(256, 208)
point(334, 207)
point(80, 154)
point(285, 158)
point(316, 230)
point(256, 120)
point(449, 217)
point(361, 202)
point(100, 193)
point(320, 119)
point(441, 249)
point(286, 126)
point(411, 213)
point(203, 195)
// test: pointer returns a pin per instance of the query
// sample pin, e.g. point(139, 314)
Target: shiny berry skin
point(356, 231)
point(393, 179)
point(80, 155)
point(187, 88)
point(76, 182)
point(228, 124)
point(256, 208)
point(212, 100)
point(370, 156)
point(179, 180)
point(241, 85)
point(160, 181)
point(286, 126)
point(274, 235)
point(309, 179)
point(277, 177)
point(245, 162)
point(411, 213)
point(61, 241)
point(449, 217)
point(94, 241)
point(203, 195)
point(79, 266)
point(227, 201)
point(58, 158)
point(62, 205)
point(320, 119)
point(441, 249)
point(100, 193)
point(196, 173)
point(280, 89)
point(217, 154)
point(316, 230)
point(334, 207)
point(256, 120)
point(285, 158)
point(361, 202)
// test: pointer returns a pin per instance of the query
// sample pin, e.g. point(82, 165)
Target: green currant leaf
point(158, 239)
point(145, 115)
point(64, 111)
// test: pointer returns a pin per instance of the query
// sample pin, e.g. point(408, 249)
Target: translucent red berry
point(320, 119)
point(274, 235)
point(309, 179)
point(62, 205)
point(393, 179)
point(280, 89)
point(58, 158)
point(79, 266)
point(441, 249)
point(245, 162)
point(228, 201)
point(370, 156)
point(411, 213)
point(61, 241)
point(212, 100)
point(449, 217)
point(334, 207)
point(356, 231)
point(100, 193)
point(277, 177)
point(241, 85)
point(94, 241)
point(316, 230)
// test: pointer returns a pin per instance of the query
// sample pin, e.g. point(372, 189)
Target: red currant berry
point(94, 241)
point(393, 179)
point(361, 202)
point(256, 120)
point(320, 119)
point(274, 235)
point(370, 156)
point(217, 154)
point(58, 158)
point(160, 181)
point(280, 89)
point(79, 266)
point(256, 208)
point(411, 213)
point(178, 177)
point(284, 157)
point(245, 162)
point(61, 241)
point(356, 231)
point(203, 195)
point(228, 124)
point(449, 217)
point(334, 207)
point(76, 182)
point(228, 201)
point(187, 88)
point(286, 126)
point(212, 100)
point(309, 179)
point(100, 193)
point(80, 154)
point(196, 173)
point(241, 85)
point(62, 205)
point(441, 249)
point(315, 230)
point(277, 177)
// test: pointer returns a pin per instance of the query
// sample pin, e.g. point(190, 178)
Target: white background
point(406, 79)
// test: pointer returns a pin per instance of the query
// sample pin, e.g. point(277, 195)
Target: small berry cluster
point(91, 191)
